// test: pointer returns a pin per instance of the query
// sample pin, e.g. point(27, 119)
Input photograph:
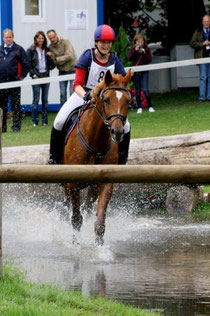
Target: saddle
point(72, 120)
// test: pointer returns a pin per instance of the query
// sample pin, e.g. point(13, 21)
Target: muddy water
point(149, 261)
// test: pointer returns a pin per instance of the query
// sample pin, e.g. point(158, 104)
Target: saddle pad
point(72, 120)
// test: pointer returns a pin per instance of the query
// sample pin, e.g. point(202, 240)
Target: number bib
point(96, 74)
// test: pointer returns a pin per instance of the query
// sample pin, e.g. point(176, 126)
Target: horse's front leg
point(105, 193)
point(92, 195)
point(76, 218)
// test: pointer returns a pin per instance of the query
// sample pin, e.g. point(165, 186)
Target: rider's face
point(104, 46)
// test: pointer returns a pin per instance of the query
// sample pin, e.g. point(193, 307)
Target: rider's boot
point(123, 147)
point(56, 147)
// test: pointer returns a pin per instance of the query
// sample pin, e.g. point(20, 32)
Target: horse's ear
point(127, 77)
point(96, 91)
point(108, 77)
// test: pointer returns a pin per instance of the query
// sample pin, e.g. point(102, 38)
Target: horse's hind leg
point(76, 218)
point(105, 193)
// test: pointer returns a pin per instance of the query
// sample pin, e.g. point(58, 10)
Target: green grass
point(29, 135)
point(176, 113)
point(21, 298)
point(201, 212)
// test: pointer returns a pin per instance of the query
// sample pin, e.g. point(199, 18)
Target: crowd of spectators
point(40, 59)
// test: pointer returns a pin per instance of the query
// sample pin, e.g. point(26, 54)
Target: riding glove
point(87, 97)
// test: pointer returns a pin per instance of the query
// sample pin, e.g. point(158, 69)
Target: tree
point(183, 18)
point(121, 13)
point(177, 22)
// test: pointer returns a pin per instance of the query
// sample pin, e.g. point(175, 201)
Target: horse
point(94, 140)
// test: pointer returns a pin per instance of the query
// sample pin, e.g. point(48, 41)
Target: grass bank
point(19, 297)
point(176, 113)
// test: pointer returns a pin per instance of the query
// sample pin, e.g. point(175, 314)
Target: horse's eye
point(106, 101)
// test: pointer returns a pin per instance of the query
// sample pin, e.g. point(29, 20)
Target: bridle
point(105, 118)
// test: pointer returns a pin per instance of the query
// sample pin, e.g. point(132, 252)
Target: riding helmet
point(104, 33)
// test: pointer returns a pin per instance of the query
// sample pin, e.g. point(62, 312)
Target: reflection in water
point(151, 262)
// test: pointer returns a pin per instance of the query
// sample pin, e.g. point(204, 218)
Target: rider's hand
point(87, 97)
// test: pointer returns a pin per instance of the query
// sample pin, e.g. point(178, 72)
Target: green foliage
point(124, 13)
point(166, 26)
point(122, 46)
point(201, 212)
point(121, 13)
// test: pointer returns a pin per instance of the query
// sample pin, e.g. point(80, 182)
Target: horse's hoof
point(75, 242)
point(99, 241)
point(76, 222)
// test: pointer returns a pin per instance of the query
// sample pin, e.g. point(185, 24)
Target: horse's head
point(112, 99)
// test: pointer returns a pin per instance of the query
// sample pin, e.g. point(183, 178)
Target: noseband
point(115, 115)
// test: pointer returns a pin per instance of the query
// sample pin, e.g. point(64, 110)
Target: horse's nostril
point(117, 135)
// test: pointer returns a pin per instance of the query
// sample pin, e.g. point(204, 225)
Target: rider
point(90, 70)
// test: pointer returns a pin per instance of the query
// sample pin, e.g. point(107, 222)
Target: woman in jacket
point(41, 64)
point(140, 54)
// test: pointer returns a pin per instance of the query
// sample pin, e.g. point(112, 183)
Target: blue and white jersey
point(94, 71)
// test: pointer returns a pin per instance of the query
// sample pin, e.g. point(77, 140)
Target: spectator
point(64, 57)
point(201, 43)
point(14, 65)
point(140, 54)
point(41, 64)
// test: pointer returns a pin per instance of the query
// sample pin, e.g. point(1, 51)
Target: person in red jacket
point(140, 54)
point(14, 65)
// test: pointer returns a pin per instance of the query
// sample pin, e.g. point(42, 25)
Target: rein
point(105, 118)
point(98, 155)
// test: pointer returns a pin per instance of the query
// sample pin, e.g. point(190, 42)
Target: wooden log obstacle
point(197, 174)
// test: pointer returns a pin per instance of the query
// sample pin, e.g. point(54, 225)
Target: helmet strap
point(96, 46)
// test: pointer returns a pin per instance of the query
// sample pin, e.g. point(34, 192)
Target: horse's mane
point(116, 80)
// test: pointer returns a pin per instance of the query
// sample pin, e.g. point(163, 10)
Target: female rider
point(90, 70)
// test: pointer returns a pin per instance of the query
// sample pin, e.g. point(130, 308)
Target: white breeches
point(72, 103)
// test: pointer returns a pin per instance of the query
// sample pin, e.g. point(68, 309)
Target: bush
point(122, 46)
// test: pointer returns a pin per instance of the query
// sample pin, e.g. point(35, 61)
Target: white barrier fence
point(158, 66)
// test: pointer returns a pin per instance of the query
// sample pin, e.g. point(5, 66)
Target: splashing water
point(148, 261)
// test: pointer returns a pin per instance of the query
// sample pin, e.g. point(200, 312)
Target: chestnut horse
point(94, 141)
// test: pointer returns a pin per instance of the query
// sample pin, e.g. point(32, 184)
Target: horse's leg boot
point(56, 147)
point(123, 148)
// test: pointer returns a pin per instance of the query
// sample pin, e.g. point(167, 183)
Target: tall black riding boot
point(123, 149)
point(56, 147)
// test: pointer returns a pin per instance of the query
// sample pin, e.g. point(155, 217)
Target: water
point(149, 261)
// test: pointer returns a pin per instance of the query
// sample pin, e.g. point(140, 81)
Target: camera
point(140, 49)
